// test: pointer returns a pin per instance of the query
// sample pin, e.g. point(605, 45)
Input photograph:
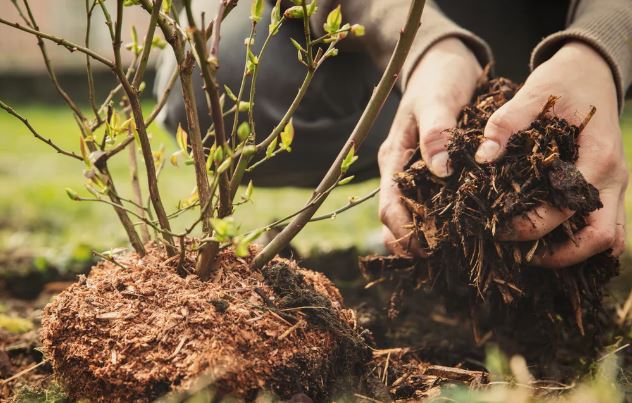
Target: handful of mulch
point(456, 220)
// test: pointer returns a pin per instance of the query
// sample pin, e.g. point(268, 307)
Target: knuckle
point(604, 237)
point(499, 123)
point(433, 137)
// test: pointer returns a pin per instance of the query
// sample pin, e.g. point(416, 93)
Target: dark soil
point(533, 311)
point(139, 332)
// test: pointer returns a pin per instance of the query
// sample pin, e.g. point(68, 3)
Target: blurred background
point(40, 227)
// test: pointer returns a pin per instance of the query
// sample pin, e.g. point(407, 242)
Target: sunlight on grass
point(37, 211)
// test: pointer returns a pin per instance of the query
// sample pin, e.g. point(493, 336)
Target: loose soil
point(141, 331)
point(529, 310)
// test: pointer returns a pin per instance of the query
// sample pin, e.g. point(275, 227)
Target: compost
point(457, 219)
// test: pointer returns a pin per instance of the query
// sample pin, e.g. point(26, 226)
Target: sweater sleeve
point(606, 25)
point(384, 20)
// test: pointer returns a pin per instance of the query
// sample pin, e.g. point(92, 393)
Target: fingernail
point(487, 151)
point(440, 164)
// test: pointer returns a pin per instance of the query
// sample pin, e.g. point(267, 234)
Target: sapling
point(222, 155)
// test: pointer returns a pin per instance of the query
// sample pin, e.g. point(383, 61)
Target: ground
point(41, 228)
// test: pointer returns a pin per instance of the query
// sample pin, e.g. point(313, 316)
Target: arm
point(383, 21)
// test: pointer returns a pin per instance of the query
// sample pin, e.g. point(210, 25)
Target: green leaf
point(230, 93)
point(244, 106)
point(334, 19)
point(297, 45)
point(275, 19)
point(287, 136)
point(218, 155)
point(72, 194)
point(174, 158)
point(346, 180)
point(85, 154)
point(158, 42)
point(182, 138)
point(243, 131)
point(166, 6)
point(294, 12)
point(348, 160)
point(256, 10)
point(271, 147)
point(311, 8)
point(225, 228)
point(248, 192)
point(224, 165)
point(252, 58)
point(357, 30)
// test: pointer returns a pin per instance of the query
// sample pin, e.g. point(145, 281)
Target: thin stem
point(359, 134)
point(72, 47)
point(150, 167)
point(140, 71)
point(49, 66)
point(91, 96)
point(38, 136)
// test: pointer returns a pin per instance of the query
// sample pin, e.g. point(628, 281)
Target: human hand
point(581, 78)
point(442, 83)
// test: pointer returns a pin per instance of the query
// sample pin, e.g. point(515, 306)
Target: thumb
point(515, 115)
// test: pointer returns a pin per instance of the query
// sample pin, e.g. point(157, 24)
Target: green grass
point(37, 212)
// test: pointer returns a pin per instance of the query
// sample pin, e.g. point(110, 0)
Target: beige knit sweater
point(606, 25)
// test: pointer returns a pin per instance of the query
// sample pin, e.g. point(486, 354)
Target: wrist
point(584, 57)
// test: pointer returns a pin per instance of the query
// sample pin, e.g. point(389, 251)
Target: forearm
point(383, 21)
point(605, 25)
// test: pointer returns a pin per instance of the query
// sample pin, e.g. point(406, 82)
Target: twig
point(72, 47)
point(356, 138)
point(38, 136)
point(140, 71)
point(23, 372)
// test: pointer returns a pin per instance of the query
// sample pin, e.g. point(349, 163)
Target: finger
point(619, 240)
point(599, 235)
point(433, 123)
point(397, 219)
point(515, 115)
point(535, 223)
point(393, 155)
point(391, 243)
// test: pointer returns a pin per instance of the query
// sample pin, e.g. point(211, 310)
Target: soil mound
point(456, 220)
point(137, 329)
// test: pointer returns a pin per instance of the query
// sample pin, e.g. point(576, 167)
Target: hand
point(442, 83)
point(581, 78)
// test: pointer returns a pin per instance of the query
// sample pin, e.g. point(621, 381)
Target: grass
point(38, 213)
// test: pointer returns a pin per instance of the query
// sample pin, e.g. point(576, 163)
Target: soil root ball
point(136, 333)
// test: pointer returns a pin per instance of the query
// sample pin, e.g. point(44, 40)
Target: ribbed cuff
point(425, 40)
point(608, 31)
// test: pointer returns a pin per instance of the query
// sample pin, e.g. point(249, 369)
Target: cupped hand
point(580, 77)
point(442, 83)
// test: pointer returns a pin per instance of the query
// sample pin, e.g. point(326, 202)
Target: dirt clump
point(137, 330)
point(457, 219)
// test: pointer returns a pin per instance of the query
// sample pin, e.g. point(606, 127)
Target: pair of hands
point(443, 82)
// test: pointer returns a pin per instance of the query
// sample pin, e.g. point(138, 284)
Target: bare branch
point(72, 47)
point(38, 136)
point(359, 134)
